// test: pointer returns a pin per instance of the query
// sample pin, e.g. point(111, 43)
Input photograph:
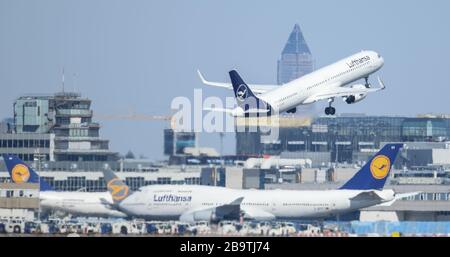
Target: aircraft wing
point(257, 214)
point(398, 197)
point(256, 88)
point(108, 204)
point(342, 92)
point(405, 195)
point(231, 210)
point(237, 112)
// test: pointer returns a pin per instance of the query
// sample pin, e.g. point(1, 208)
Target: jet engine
point(293, 110)
point(208, 215)
point(351, 99)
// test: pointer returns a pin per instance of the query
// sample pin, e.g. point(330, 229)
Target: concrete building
point(57, 128)
point(18, 201)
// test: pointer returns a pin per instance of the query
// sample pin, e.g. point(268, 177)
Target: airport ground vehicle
point(2, 227)
point(226, 227)
point(184, 229)
point(164, 228)
point(250, 229)
point(91, 228)
point(308, 229)
point(105, 228)
point(276, 230)
point(288, 228)
point(16, 226)
point(121, 227)
point(32, 227)
point(125, 227)
point(151, 228)
point(264, 228)
point(201, 227)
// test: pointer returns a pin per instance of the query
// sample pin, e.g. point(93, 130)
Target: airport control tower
point(296, 59)
point(60, 126)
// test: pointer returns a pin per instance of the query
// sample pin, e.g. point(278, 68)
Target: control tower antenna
point(74, 80)
point(62, 80)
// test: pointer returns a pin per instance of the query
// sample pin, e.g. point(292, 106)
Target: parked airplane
point(328, 83)
point(190, 203)
point(78, 203)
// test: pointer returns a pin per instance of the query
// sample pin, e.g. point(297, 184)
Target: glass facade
point(420, 128)
point(75, 183)
point(345, 136)
point(175, 142)
point(296, 59)
point(31, 115)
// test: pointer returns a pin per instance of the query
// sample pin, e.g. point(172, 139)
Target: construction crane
point(137, 117)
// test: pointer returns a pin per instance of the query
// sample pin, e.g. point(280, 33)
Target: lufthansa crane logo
point(118, 190)
point(20, 174)
point(241, 92)
point(380, 166)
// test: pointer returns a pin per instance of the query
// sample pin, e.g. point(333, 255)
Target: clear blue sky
point(138, 55)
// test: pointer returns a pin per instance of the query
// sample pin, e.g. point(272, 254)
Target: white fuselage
point(171, 201)
point(338, 74)
point(79, 203)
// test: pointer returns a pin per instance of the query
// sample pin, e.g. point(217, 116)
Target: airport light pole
point(221, 135)
point(306, 134)
point(37, 158)
point(337, 147)
point(38, 168)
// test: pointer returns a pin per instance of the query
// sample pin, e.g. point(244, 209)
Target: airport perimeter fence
point(387, 228)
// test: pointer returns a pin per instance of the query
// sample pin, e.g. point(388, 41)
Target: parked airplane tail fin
point(22, 173)
point(373, 175)
point(116, 187)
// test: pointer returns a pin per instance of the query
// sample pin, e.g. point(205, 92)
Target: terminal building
point(350, 138)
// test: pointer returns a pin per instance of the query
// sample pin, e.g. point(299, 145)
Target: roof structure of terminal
point(296, 43)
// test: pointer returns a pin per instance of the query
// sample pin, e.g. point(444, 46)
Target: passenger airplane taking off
point(326, 83)
point(192, 203)
point(79, 203)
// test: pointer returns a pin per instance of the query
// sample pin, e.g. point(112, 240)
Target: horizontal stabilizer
point(398, 197)
point(256, 88)
point(405, 195)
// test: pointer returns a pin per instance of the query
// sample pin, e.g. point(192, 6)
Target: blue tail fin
point(241, 90)
point(22, 173)
point(374, 174)
point(246, 99)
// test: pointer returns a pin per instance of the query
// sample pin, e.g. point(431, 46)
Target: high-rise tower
point(296, 59)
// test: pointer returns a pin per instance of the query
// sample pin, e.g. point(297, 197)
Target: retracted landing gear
point(330, 110)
